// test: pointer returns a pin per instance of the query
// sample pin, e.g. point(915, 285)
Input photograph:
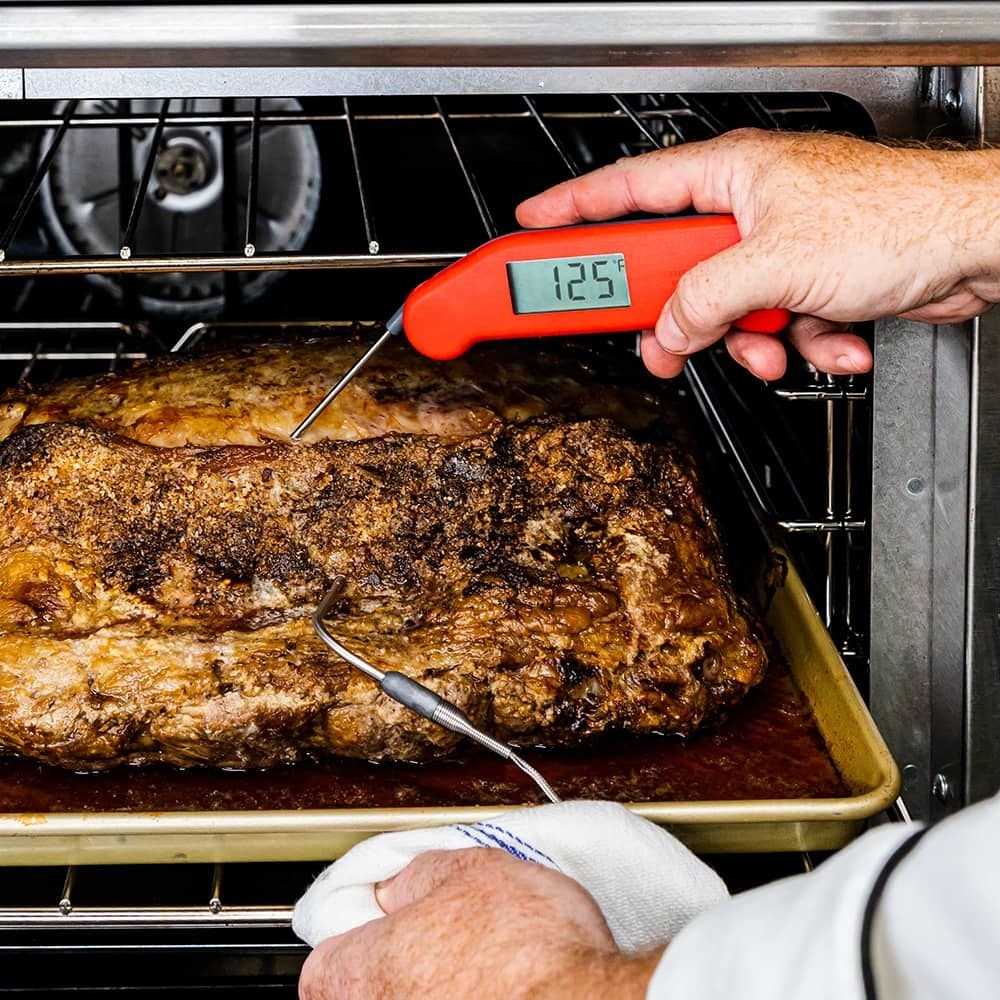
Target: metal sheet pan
point(847, 729)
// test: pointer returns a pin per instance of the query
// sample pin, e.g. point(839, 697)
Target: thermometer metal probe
point(419, 698)
point(605, 278)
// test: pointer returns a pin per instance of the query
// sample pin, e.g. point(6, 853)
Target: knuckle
point(693, 304)
point(479, 866)
point(466, 859)
point(629, 161)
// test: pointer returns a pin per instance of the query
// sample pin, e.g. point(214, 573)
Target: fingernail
point(849, 364)
point(669, 335)
point(380, 890)
point(385, 883)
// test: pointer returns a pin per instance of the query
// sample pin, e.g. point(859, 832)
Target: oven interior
point(137, 227)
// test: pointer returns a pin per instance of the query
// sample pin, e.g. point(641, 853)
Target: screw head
point(915, 486)
point(941, 788)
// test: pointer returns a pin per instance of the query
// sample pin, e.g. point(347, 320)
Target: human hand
point(477, 923)
point(835, 229)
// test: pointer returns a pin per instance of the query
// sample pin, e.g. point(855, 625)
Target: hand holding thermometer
point(603, 278)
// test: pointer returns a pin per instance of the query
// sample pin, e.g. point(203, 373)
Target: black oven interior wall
point(136, 227)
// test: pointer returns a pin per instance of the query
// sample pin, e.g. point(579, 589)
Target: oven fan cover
point(183, 212)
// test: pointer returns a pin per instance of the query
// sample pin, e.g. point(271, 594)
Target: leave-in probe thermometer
point(603, 278)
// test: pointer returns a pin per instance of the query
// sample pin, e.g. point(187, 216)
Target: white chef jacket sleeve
point(934, 929)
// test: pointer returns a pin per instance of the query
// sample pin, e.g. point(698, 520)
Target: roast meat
point(546, 563)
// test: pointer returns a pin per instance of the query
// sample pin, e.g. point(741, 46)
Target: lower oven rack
point(149, 949)
point(210, 912)
point(203, 897)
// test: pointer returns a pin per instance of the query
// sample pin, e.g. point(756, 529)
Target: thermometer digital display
point(563, 284)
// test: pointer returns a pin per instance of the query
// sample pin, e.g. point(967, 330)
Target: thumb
point(714, 294)
point(424, 874)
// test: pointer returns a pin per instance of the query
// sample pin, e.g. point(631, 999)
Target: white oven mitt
point(646, 882)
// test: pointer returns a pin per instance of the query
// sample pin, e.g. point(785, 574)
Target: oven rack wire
point(202, 900)
point(648, 121)
point(186, 911)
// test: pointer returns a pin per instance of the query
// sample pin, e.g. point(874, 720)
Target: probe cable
point(418, 698)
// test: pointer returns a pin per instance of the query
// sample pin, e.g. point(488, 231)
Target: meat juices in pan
point(519, 534)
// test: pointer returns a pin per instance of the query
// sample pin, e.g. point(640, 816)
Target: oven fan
point(183, 212)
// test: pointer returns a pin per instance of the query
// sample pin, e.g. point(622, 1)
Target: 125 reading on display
point(561, 284)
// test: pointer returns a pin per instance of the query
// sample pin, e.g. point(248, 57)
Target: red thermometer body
point(604, 278)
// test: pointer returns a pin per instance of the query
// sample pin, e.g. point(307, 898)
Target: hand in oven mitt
point(647, 884)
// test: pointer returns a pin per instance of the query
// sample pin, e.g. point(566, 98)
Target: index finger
point(664, 181)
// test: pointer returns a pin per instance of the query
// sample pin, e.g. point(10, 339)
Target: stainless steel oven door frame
point(935, 643)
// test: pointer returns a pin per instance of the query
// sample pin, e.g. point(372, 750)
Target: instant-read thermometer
point(603, 278)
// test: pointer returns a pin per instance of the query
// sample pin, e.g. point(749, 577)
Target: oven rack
point(202, 896)
point(839, 536)
point(194, 899)
point(82, 939)
point(165, 929)
point(184, 913)
point(643, 121)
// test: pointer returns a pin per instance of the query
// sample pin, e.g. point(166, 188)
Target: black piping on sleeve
point(871, 907)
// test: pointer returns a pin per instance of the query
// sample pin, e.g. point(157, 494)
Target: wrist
point(974, 177)
point(614, 974)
